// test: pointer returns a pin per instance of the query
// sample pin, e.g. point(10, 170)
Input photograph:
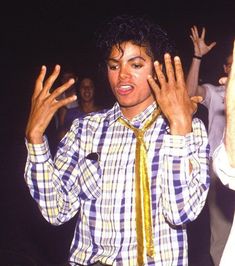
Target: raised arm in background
point(200, 49)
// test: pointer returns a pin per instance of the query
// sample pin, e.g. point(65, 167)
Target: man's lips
point(124, 89)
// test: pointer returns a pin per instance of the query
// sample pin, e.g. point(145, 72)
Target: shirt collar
point(114, 113)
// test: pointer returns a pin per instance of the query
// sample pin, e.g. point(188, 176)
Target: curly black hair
point(139, 30)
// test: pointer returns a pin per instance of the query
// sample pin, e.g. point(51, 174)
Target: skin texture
point(131, 76)
point(230, 115)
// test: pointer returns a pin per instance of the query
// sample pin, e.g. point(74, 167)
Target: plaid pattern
point(101, 187)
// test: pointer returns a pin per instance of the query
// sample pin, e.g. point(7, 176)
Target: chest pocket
point(90, 179)
point(91, 171)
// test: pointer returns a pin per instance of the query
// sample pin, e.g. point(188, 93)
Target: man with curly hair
point(137, 173)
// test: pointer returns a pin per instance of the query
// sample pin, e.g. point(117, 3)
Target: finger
point(196, 32)
point(169, 69)
point(203, 33)
point(65, 101)
point(153, 85)
point(57, 92)
point(193, 33)
point(159, 73)
point(212, 45)
point(179, 72)
point(39, 82)
point(192, 38)
point(51, 79)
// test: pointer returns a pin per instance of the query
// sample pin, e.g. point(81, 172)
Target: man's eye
point(137, 65)
point(113, 67)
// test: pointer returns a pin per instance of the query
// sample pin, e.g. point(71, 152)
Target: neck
point(131, 111)
point(88, 107)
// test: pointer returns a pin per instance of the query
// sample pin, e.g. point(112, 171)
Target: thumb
point(223, 80)
point(195, 101)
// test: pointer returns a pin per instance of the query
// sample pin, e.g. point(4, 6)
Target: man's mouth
point(125, 89)
point(87, 94)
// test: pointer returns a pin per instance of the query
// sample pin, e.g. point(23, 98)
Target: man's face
point(87, 90)
point(127, 74)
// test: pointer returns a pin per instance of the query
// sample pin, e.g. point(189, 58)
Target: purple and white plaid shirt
point(93, 172)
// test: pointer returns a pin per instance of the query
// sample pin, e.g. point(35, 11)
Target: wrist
point(34, 138)
point(181, 126)
point(197, 57)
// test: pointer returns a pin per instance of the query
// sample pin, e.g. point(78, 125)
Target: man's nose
point(124, 72)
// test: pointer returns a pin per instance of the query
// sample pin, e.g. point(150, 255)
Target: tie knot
point(139, 133)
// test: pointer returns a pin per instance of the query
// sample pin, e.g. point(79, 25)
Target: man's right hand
point(200, 47)
point(44, 104)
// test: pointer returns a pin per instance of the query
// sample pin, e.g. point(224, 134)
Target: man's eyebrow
point(129, 60)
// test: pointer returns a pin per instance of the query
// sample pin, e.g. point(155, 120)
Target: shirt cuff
point(38, 153)
point(175, 145)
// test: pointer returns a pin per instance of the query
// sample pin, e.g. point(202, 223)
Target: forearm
point(193, 77)
point(186, 174)
point(47, 187)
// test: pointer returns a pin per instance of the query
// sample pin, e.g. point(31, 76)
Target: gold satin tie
point(144, 225)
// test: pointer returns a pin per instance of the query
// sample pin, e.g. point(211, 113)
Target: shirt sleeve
point(185, 179)
point(222, 168)
point(48, 182)
point(209, 88)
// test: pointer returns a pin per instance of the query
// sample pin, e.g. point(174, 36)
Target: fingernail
point(71, 80)
point(156, 63)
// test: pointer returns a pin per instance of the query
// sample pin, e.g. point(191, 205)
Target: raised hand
point(45, 104)
point(200, 47)
point(172, 96)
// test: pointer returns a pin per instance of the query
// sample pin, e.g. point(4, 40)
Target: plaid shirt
point(93, 172)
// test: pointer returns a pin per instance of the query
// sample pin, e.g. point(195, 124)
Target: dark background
point(51, 32)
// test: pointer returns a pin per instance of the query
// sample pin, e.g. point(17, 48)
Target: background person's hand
point(200, 47)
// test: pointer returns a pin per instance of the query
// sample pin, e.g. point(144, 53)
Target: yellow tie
point(144, 227)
